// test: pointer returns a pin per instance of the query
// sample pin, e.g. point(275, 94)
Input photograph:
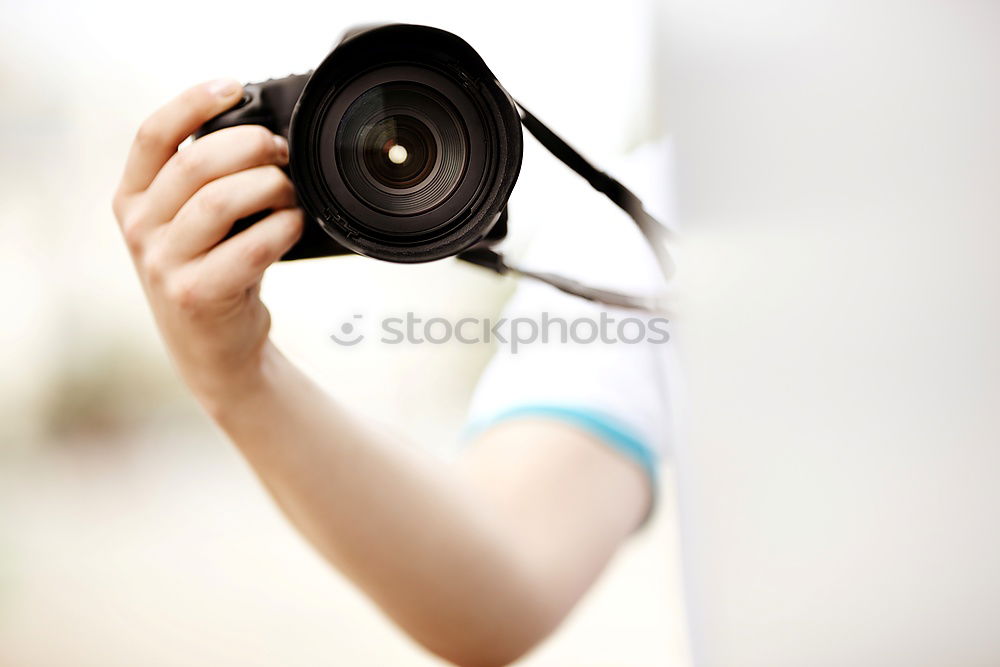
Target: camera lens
point(401, 148)
point(403, 145)
point(399, 152)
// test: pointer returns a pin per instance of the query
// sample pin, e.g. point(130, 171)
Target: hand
point(176, 206)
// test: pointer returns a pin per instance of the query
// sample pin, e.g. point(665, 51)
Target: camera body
point(403, 146)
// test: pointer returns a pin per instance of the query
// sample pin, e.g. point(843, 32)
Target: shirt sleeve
point(601, 369)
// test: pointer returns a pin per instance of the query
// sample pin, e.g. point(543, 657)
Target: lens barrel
point(403, 145)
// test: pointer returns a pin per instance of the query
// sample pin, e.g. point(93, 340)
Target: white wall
point(838, 170)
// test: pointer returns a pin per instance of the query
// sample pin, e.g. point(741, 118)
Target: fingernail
point(282, 145)
point(224, 87)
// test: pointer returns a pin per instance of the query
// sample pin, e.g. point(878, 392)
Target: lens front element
point(401, 148)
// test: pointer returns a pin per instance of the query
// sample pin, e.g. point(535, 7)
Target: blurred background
point(838, 187)
point(835, 483)
point(130, 531)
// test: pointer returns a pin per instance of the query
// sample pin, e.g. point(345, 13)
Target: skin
point(478, 561)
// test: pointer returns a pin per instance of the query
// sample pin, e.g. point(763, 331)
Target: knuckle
point(148, 134)
point(212, 202)
point(257, 254)
point(131, 232)
point(189, 161)
point(154, 264)
point(133, 225)
point(184, 293)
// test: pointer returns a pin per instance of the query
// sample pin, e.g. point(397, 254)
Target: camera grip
point(270, 103)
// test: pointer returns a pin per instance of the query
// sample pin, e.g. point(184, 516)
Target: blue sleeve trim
point(606, 428)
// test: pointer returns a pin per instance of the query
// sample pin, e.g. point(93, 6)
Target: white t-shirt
point(604, 369)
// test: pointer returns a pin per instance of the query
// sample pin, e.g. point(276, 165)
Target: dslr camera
point(404, 147)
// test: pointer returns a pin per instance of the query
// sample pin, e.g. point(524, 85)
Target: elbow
point(493, 640)
point(488, 653)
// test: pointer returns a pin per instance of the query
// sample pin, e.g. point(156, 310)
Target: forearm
point(410, 533)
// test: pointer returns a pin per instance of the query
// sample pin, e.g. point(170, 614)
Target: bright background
point(838, 180)
point(838, 189)
point(130, 531)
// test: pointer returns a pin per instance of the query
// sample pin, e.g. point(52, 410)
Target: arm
point(477, 562)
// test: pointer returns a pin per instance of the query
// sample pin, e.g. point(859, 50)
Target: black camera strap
point(495, 261)
point(654, 231)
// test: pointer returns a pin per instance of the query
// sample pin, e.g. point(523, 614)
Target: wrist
point(228, 396)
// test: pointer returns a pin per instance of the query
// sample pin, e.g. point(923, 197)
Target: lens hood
point(433, 89)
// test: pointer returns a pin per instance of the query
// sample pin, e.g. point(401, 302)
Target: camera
point(402, 145)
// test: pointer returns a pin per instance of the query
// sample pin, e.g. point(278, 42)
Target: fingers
point(207, 217)
point(238, 263)
point(158, 137)
point(207, 159)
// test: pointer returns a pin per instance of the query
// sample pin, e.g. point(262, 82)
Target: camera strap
point(495, 261)
point(654, 231)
